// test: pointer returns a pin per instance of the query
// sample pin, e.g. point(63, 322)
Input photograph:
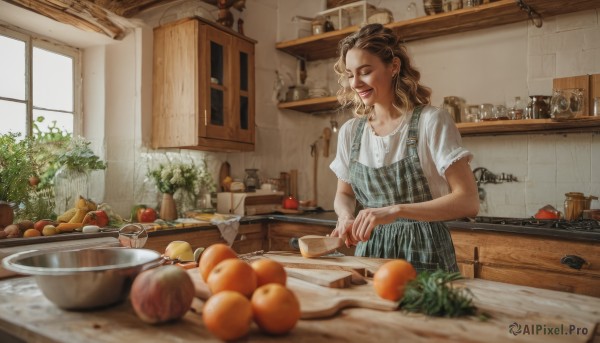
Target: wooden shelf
point(512, 127)
point(497, 13)
point(311, 105)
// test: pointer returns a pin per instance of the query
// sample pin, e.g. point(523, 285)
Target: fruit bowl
point(86, 278)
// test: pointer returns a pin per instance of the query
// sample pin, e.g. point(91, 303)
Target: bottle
point(518, 109)
point(251, 180)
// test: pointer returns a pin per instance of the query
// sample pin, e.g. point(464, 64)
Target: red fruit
point(98, 218)
point(39, 225)
point(146, 215)
point(290, 203)
point(162, 294)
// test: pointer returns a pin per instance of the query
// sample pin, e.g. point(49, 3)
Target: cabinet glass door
point(244, 104)
point(218, 80)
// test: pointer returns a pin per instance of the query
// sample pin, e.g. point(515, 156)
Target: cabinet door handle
point(294, 243)
point(205, 118)
point(573, 261)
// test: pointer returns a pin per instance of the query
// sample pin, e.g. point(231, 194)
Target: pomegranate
point(162, 294)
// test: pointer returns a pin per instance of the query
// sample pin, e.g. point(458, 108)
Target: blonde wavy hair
point(382, 42)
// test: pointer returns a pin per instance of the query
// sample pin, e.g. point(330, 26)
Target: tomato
point(99, 218)
point(146, 215)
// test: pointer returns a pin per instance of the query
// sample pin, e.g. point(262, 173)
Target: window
point(39, 84)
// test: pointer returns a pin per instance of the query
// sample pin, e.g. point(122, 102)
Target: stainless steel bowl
point(85, 278)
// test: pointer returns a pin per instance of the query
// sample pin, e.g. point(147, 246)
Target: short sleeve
point(341, 164)
point(444, 141)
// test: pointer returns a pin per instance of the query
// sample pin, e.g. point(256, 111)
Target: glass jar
point(540, 107)
point(566, 103)
point(486, 112)
point(69, 184)
point(251, 180)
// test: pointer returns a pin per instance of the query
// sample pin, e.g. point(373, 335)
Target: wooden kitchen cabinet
point(250, 238)
point(528, 260)
point(203, 87)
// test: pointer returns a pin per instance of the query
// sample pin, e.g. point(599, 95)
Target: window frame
point(32, 40)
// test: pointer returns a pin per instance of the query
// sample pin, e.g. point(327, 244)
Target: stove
point(574, 225)
point(582, 229)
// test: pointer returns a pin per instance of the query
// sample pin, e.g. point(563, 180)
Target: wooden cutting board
point(322, 277)
point(318, 301)
point(224, 172)
point(366, 267)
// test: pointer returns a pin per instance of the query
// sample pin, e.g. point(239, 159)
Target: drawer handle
point(573, 261)
point(294, 243)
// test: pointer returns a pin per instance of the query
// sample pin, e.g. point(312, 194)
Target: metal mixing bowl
point(85, 278)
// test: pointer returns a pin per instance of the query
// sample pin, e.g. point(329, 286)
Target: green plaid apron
point(427, 245)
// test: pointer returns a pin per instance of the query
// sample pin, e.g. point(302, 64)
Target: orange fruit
point(232, 275)
point(212, 256)
point(32, 233)
point(276, 309)
point(391, 278)
point(269, 271)
point(227, 315)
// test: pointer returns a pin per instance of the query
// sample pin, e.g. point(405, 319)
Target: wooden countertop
point(27, 315)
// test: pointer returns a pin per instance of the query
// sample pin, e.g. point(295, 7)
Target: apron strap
point(413, 131)
point(356, 140)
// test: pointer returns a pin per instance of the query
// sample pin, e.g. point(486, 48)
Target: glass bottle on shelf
point(517, 110)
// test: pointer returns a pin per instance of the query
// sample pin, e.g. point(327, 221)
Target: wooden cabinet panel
point(528, 260)
point(580, 284)
point(250, 238)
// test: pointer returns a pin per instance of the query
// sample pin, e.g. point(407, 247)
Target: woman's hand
point(343, 229)
point(367, 219)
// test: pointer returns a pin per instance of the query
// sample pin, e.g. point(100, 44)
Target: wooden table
point(26, 314)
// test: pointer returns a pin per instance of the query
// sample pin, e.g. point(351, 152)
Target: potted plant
point(17, 167)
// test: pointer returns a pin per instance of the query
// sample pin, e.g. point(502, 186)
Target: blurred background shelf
point(497, 13)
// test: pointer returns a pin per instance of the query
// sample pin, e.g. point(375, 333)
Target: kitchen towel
point(228, 226)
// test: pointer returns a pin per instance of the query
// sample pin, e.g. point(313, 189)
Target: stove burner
point(590, 225)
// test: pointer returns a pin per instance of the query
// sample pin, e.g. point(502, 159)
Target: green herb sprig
point(431, 293)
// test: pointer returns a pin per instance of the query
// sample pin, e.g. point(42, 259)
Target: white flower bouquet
point(173, 176)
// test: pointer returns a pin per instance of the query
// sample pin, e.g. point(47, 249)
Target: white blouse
point(439, 146)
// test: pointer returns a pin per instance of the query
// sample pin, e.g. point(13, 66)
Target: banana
point(68, 215)
point(79, 215)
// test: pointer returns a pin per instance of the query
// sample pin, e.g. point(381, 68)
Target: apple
point(39, 225)
point(290, 203)
point(162, 294)
point(146, 215)
point(180, 250)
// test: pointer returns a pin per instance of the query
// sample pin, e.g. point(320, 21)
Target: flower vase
point(168, 209)
point(69, 184)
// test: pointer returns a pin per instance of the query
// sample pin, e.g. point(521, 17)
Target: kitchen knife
point(315, 246)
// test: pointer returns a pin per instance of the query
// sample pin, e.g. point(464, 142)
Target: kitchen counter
point(325, 218)
point(329, 218)
point(26, 315)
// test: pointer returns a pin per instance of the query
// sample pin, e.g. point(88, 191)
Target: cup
point(596, 107)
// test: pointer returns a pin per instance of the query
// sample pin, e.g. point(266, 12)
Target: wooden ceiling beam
point(128, 8)
point(82, 14)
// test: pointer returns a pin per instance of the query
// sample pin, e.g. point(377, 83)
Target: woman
point(400, 158)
